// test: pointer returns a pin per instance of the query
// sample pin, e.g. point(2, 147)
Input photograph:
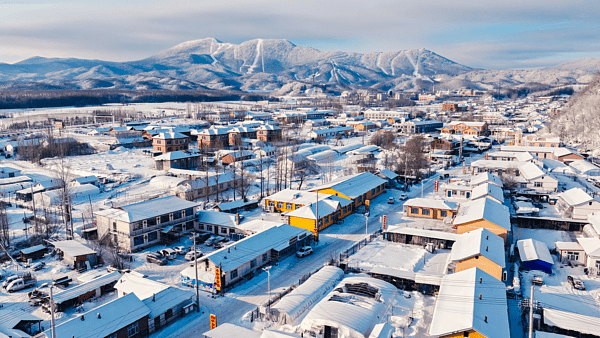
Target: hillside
point(269, 64)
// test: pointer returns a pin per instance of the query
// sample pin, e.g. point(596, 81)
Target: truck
point(23, 282)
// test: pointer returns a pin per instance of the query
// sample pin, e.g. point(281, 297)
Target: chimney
point(82, 318)
point(99, 317)
point(480, 296)
point(485, 319)
point(480, 280)
point(154, 297)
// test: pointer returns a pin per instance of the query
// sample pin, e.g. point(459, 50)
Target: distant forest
point(61, 98)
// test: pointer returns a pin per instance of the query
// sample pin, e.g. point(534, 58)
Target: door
point(330, 332)
point(434, 213)
point(156, 323)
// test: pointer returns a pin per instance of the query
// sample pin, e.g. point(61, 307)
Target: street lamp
point(366, 223)
point(268, 285)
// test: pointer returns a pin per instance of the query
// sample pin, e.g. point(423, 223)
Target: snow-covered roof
point(350, 147)
point(585, 167)
point(87, 179)
point(458, 307)
point(147, 209)
point(296, 196)
point(228, 330)
point(72, 248)
point(9, 319)
point(479, 242)
point(114, 316)
point(487, 190)
point(325, 207)
point(169, 136)
point(142, 287)
point(518, 156)
point(353, 313)
point(530, 171)
point(327, 155)
point(296, 302)
point(234, 204)
point(399, 229)
point(568, 246)
point(591, 246)
point(275, 238)
point(575, 196)
point(175, 155)
point(497, 164)
point(483, 208)
point(353, 185)
point(533, 250)
point(216, 217)
point(594, 219)
point(33, 249)
point(390, 175)
point(431, 203)
point(78, 290)
point(572, 321)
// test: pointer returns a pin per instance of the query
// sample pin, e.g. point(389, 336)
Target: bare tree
point(4, 228)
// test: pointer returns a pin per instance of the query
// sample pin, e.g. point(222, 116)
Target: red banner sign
point(437, 184)
point(384, 222)
point(213, 321)
point(218, 279)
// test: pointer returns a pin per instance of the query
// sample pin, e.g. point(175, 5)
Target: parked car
point(391, 200)
point(23, 282)
point(180, 250)
point(193, 254)
point(9, 280)
point(575, 282)
point(200, 237)
point(215, 239)
point(38, 266)
point(304, 251)
point(156, 258)
point(168, 253)
point(403, 197)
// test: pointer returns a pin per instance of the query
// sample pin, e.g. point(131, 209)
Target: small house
point(591, 247)
point(75, 254)
point(483, 213)
point(33, 252)
point(570, 252)
point(480, 248)
point(429, 208)
point(577, 204)
point(535, 255)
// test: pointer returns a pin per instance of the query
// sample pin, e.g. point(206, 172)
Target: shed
point(76, 254)
point(535, 255)
point(237, 206)
point(18, 323)
point(584, 167)
point(406, 235)
point(228, 330)
point(33, 252)
point(82, 292)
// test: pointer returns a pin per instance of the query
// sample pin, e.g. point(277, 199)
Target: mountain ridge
point(270, 64)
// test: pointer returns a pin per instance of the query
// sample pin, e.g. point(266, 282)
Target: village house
point(570, 252)
point(217, 223)
point(535, 255)
point(166, 303)
point(6, 172)
point(536, 141)
point(591, 249)
point(136, 226)
point(577, 204)
point(484, 178)
point(466, 128)
point(459, 190)
point(480, 248)
point(290, 200)
point(420, 237)
point(364, 126)
point(553, 153)
point(384, 114)
point(419, 127)
point(269, 133)
point(449, 145)
point(358, 188)
point(429, 208)
point(483, 213)
point(237, 156)
point(330, 132)
point(126, 316)
point(329, 211)
point(75, 254)
point(213, 139)
point(236, 135)
point(203, 187)
point(583, 167)
point(238, 261)
point(170, 141)
point(488, 190)
point(178, 160)
point(481, 312)
point(19, 324)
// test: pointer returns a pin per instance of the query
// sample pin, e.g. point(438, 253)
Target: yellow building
point(480, 248)
point(358, 188)
point(429, 208)
point(289, 200)
point(329, 211)
point(483, 213)
point(470, 303)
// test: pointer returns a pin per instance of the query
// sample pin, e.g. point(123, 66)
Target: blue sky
point(477, 33)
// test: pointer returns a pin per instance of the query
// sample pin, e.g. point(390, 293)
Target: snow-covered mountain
point(262, 64)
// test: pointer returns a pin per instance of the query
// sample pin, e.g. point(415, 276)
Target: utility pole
point(366, 223)
point(531, 312)
point(52, 313)
point(196, 268)
point(268, 286)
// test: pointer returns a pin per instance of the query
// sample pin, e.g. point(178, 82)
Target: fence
point(344, 255)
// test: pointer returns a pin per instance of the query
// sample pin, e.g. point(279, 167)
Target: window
point(169, 314)
point(233, 274)
point(223, 230)
point(449, 193)
point(264, 257)
point(468, 194)
point(164, 218)
point(414, 210)
point(466, 334)
point(443, 213)
point(372, 191)
point(201, 226)
point(537, 184)
point(279, 205)
point(425, 212)
point(152, 236)
point(252, 263)
point(133, 329)
point(209, 227)
point(271, 203)
point(139, 240)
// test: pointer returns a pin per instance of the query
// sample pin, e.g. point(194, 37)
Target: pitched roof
point(458, 307)
point(479, 242)
point(114, 316)
point(431, 203)
point(483, 208)
point(489, 190)
point(486, 178)
point(353, 185)
point(216, 217)
point(72, 248)
point(147, 209)
point(530, 171)
point(533, 250)
point(591, 246)
point(575, 196)
point(326, 207)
